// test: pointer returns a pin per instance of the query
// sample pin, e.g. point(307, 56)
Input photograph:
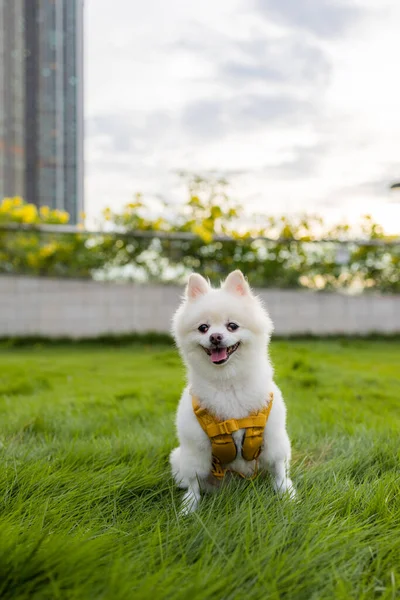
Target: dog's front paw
point(190, 503)
point(291, 492)
point(285, 489)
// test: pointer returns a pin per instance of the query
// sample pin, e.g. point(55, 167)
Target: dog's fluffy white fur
point(230, 390)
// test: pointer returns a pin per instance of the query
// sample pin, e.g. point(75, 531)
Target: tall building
point(41, 102)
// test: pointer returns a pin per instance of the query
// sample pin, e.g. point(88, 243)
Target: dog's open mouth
point(220, 355)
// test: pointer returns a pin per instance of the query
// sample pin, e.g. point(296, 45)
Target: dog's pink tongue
point(218, 354)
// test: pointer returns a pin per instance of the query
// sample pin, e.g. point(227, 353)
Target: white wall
point(80, 308)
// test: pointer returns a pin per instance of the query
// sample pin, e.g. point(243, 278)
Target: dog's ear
point(236, 284)
point(197, 286)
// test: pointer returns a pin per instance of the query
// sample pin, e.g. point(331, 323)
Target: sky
point(295, 102)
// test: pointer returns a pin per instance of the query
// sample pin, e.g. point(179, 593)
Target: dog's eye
point(232, 326)
point(203, 328)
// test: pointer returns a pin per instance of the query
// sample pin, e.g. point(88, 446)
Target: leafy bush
point(208, 233)
point(47, 253)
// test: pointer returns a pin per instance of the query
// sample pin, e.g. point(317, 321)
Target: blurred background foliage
point(208, 233)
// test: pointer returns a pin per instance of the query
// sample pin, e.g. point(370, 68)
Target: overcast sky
point(297, 102)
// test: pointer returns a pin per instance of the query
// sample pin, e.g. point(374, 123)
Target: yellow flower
point(27, 213)
point(133, 205)
point(44, 212)
point(48, 249)
point(63, 216)
point(203, 233)
point(6, 205)
point(236, 235)
point(158, 224)
point(17, 201)
point(30, 213)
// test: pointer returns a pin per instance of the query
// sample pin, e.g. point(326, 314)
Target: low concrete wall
point(80, 308)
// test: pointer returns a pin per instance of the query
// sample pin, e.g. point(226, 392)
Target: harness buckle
point(228, 427)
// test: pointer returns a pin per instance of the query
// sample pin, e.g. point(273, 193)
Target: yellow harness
point(220, 432)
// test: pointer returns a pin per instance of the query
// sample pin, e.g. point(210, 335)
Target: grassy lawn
point(88, 509)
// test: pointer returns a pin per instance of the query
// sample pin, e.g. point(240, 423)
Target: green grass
point(88, 509)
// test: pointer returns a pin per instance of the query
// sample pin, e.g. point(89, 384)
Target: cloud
point(216, 119)
point(258, 110)
point(253, 83)
point(129, 131)
point(204, 119)
point(115, 129)
point(289, 60)
point(369, 189)
point(324, 18)
point(303, 163)
point(261, 56)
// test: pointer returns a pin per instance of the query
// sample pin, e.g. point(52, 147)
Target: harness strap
point(223, 447)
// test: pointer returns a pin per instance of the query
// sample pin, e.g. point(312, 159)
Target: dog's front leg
point(195, 467)
point(275, 457)
point(281, 481)
point(191, 499)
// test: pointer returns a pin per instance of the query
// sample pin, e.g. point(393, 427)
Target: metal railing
point(183, 235)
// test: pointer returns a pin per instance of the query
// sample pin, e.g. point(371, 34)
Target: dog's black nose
point(216, 338)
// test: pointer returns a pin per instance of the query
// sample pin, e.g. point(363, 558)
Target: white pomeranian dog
point(231, 417)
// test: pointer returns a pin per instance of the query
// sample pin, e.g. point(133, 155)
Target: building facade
point(41, 102)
